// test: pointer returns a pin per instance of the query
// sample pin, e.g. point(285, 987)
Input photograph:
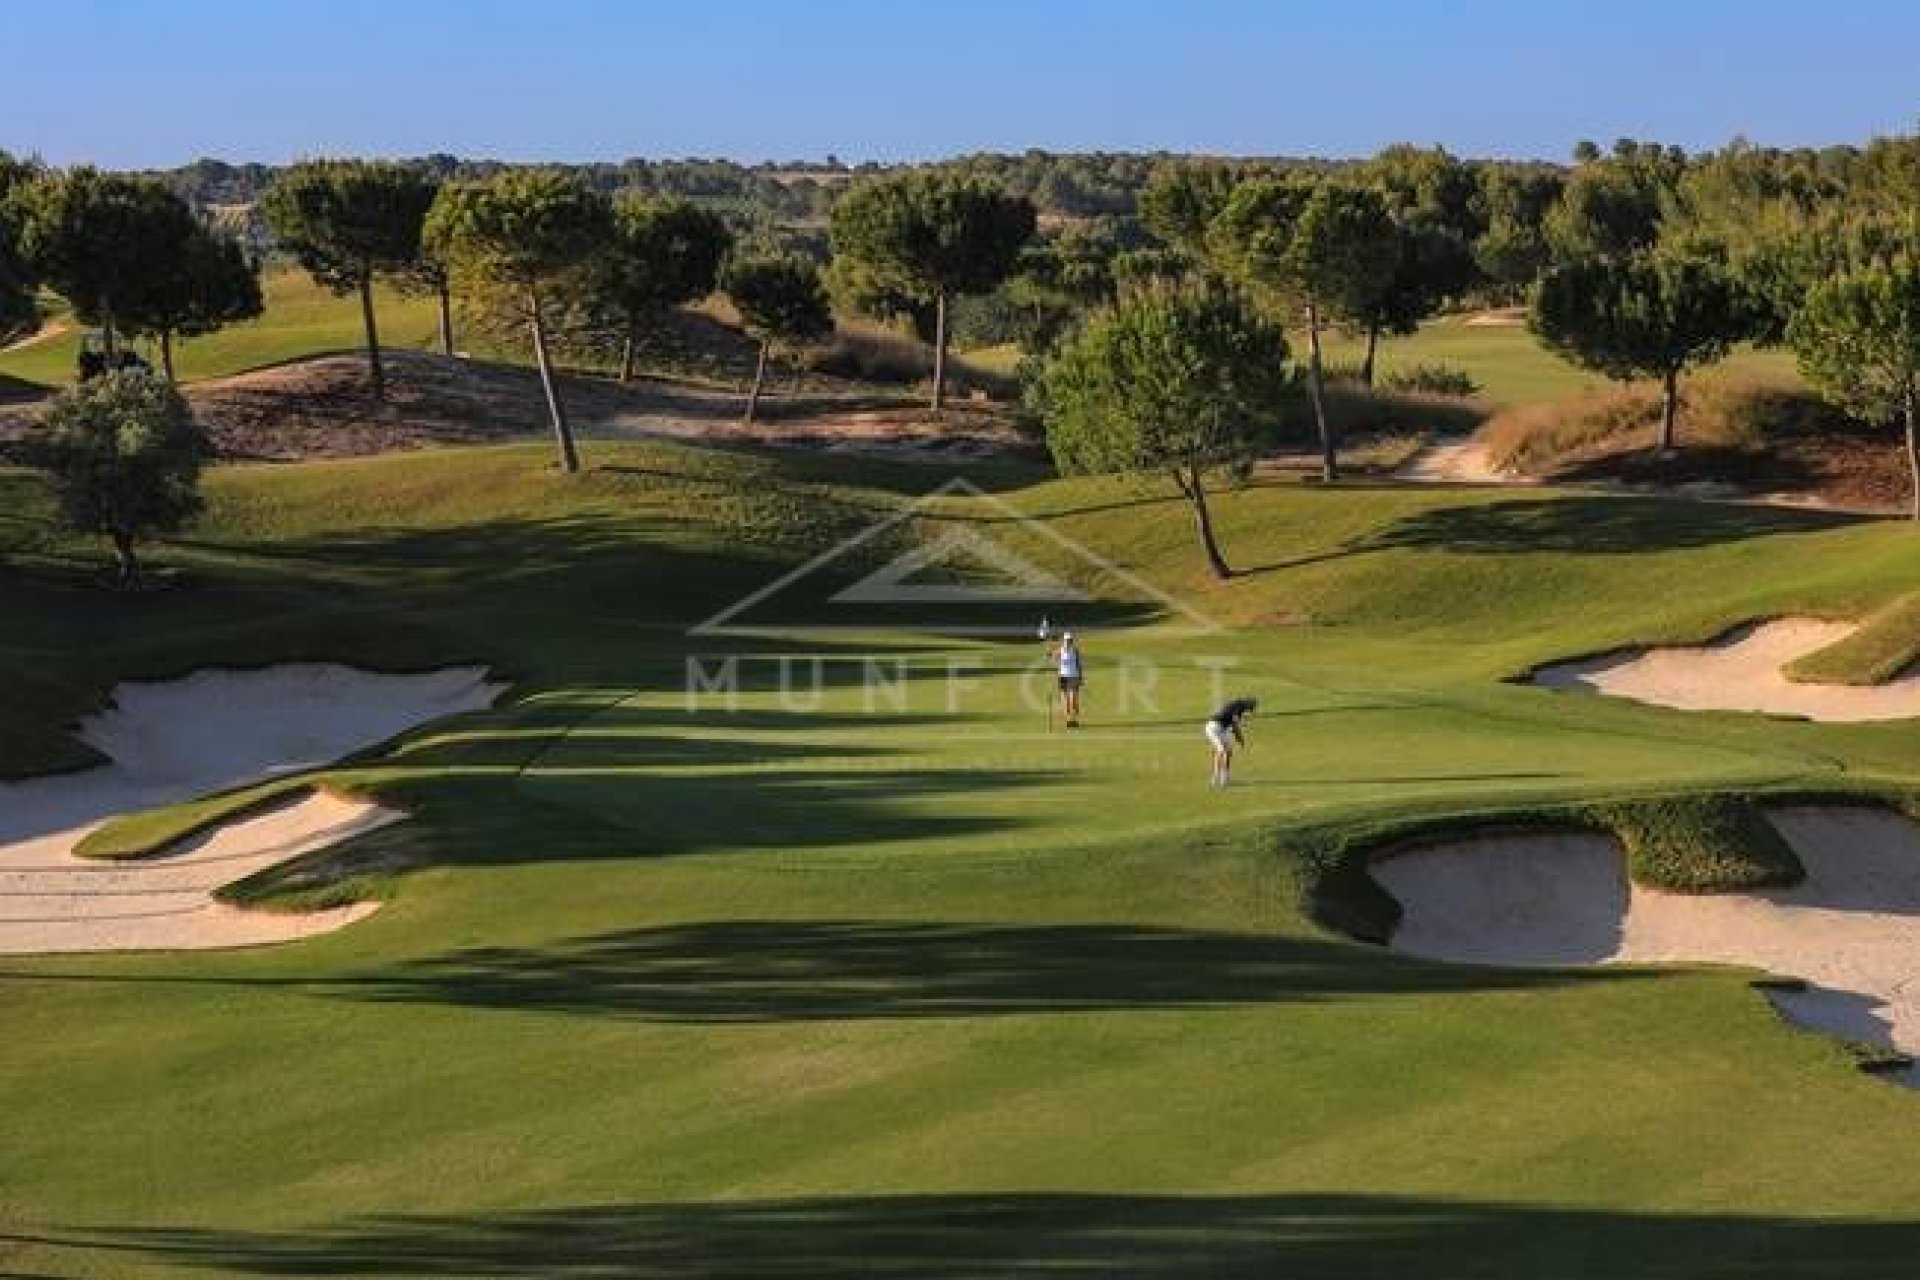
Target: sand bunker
point(1741, 671)
point(174, 740)
point(1851, 931)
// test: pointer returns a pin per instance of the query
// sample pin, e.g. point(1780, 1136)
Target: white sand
point(174, 740)
point(1851, 930)
point(1462, 462)
point(1741, 671)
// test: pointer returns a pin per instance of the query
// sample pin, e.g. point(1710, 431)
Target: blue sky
point(125, 83)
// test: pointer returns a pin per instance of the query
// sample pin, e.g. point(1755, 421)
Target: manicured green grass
point(813, 985)
point(300, 319)
point(1886, 645)
point(1508, 362)
point(1510, 366)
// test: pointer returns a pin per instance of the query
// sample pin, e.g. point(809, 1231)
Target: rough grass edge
point(1886, 647)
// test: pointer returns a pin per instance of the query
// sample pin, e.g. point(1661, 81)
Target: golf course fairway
point(778, 980)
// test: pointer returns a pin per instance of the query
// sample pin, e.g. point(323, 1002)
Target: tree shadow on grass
point(812, 970)
point(1595, 524)
point(830, 806)
point(500, 815)
point(1015, 1236)
point(1600, 525)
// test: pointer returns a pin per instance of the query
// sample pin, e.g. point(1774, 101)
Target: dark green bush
point(1432, 379)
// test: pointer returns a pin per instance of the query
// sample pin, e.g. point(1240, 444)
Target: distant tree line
point(1639, 261)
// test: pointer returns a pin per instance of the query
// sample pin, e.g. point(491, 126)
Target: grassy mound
point(1886, 646)
point(1701, 844)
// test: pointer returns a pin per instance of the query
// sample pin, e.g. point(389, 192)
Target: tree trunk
point(939, 352)
point(374, 369)
point(126, 563)
point(446, 318)
point(1195, 493)
point(759, 379)
point(1913, 448)
point(166, 354)
point(1669, 410)
point(626, 358)
point(1366, 365)
point(562, 433)
point(107, 343)
point(1329, 449)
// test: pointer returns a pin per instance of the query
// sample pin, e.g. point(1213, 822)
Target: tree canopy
point(1643, 315)
point(1181, 200)
point(932, 235)
point(1512, 251)
point(18, 314)
point(1061, 278)
point(780, 300)
point(1615, 205)
point(530, 234)
point(663, 252)
point(348, 221)
point(206, 284)
point(1328, 249)
point(103, 241)
point(1180, 380)
point(1857, 337)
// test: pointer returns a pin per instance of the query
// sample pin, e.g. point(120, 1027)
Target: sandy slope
point(1741, 671)
point(321, 407)
point(1851, 930)
point(174, 740)
point(1460, 462)
point(66, 903)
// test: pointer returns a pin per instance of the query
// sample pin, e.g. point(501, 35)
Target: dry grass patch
point(1743, 433)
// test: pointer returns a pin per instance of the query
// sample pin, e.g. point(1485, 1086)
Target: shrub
point(1432, 379)
point(1342, 371)
point(864, 354)
point(123, 455)
point(1356, 412)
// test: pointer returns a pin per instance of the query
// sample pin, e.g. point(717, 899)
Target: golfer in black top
point(1223, 731)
